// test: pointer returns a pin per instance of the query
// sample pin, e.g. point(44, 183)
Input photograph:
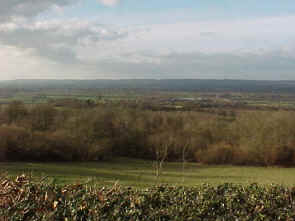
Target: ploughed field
point(141, 173)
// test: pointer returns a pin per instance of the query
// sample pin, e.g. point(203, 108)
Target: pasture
point(141, 173)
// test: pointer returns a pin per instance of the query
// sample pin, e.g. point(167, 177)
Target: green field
point(139, 173)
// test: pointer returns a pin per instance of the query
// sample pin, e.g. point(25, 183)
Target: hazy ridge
point(164, 84)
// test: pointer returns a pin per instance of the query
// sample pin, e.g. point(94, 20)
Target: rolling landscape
point(120, 135)
point(125, 110)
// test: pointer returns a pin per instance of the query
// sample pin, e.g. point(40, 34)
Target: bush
point(13, 141)
point(23, 199)
point(216, 154)
point(285, 155)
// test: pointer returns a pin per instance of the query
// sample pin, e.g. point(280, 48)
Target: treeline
point(201, 85)
point(44, 132)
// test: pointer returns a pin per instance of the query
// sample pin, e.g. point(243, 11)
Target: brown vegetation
point(46, 133)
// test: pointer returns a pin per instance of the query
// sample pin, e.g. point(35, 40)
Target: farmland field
point(140, 173)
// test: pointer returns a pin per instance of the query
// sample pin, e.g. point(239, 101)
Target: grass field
point(139, 173)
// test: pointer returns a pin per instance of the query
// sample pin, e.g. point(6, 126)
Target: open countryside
point(125, 110)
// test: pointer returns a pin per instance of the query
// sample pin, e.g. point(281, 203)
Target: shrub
point(285, 155)
point(23, 199)
point(220, 153)
point(13, 141)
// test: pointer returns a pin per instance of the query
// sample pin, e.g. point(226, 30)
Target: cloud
point(271, 65)
point(207, 34)
point(57, 40)
point(75, 48)
point(22, 64)
point(16, 9)
point(248, 34)
point(110, 3)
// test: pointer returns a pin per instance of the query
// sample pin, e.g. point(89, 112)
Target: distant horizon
point(98, 79)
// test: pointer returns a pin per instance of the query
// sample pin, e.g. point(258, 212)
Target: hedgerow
point(23, 199)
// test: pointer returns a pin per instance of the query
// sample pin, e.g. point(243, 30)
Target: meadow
point(141, 173)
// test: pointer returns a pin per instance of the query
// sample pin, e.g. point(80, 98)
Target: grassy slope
point(139, 173)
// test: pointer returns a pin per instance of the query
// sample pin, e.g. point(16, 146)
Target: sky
point(158, 39)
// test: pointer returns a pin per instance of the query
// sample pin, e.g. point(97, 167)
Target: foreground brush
point(24, 199)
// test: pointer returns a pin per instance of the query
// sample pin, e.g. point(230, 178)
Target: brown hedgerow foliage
point(24, 198)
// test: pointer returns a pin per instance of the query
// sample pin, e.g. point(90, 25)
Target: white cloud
point(57, 40)
point(17, 9)
point(272, 65)
point(110, 3)
point(225, 36)
point(22, 64)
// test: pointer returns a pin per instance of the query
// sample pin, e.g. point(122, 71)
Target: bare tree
point(185, 140)
point(16, 111)
point(160, 145)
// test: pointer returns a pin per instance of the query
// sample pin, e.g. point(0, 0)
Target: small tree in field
point(184, 142)
point(160, 145)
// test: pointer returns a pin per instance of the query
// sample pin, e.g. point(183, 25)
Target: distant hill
point(152, 84)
